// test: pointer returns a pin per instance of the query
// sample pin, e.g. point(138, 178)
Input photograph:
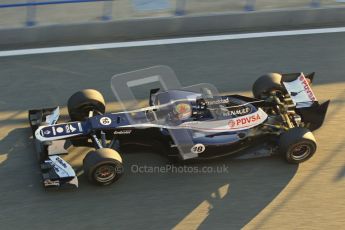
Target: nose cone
point(38, 134)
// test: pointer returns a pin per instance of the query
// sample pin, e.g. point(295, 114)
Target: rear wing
point(299, 89)
point(308, 107)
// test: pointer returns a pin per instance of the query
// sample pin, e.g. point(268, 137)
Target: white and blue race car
point(184, 124)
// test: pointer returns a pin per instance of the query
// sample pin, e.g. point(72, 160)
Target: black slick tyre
point(267, 83)
point(81, 103)
point(297, 144)
point(103, 166)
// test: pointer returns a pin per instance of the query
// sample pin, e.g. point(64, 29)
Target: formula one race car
point(182, 123)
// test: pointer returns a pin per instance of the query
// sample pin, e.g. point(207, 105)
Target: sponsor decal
point(217, 102)
point(105, 121)
point(123, 132)
point(61, 168)
point(300, 91)
point(231, 124)
point(198, 148)
point(307, 88)
point(67, 129)
point(236, 112)
point(46, 132)
point(57, 170)
point(190, 123)
point(239, 123)
point(244, 121)
point(59, 130)
point(61, 162)
point(70, 129)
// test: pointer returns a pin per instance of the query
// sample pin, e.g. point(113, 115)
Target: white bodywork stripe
point(40, 138)
point(226, 125)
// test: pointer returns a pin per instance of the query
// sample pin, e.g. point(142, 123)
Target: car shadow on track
point(19, 170)
point(229, 197)
point(253, 184)
point(15, 150)
point(155, 200)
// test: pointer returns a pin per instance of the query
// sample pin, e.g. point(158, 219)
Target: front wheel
point(81, 103)
point(297, 144)
point(103, 166)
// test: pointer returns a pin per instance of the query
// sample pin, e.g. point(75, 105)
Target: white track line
point(168, 41)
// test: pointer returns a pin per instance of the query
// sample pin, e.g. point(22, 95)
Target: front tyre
point(103, 166)
point(297, 144)
point(81, 103)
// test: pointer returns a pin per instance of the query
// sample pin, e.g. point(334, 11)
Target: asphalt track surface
point(262, 193)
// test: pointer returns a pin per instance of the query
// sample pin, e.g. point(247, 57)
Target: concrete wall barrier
point(173, 26)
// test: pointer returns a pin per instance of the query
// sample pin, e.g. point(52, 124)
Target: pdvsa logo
point(231, 124)
point(243, 121)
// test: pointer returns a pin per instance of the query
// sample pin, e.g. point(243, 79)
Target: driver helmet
point(183, 111)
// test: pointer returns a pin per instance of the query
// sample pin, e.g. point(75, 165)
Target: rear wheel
point(266, 84)
point(81, 103)
point(103, 166)
point(297, 144)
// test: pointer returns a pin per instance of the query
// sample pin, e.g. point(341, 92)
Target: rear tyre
point(266, 84)
point(81, 103)
point(297, 144)
point(103, 166)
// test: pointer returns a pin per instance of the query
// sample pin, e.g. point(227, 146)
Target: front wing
point(56, 173)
